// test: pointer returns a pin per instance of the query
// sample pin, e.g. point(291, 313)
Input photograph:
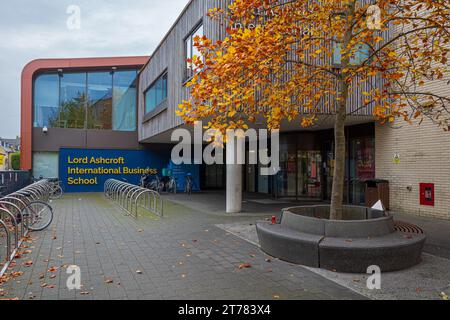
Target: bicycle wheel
point(57, 193)
point(37, 216)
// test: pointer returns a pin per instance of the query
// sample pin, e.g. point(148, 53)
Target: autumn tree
point(295, 60)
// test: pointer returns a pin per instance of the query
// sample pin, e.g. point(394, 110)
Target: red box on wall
point(427, 194)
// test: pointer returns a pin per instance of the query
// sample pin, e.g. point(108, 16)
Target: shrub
point(15, 161)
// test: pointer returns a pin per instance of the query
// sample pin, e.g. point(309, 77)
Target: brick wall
point(424, 158)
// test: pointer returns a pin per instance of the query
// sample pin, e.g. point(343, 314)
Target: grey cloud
point(31, 29)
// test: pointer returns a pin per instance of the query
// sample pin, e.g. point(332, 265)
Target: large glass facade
point(100, 100)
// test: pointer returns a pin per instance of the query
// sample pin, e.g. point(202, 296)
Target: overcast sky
point(32, 29)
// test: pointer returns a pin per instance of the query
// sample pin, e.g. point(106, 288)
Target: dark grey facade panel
point(57, 138)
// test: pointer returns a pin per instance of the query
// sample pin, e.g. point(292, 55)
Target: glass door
point(286, 183)
point(309, 182)
point(362, 167)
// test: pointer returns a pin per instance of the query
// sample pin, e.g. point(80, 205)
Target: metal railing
point(14, 223)
point(131, 197)
point(11, 181)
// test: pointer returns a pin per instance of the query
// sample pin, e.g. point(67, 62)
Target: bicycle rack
point(130, 198)
point(11, 227)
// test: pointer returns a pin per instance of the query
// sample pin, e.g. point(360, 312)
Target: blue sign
point(86, 170)
point(180, 172)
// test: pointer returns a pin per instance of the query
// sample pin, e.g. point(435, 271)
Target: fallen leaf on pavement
point(53, 269)
point(28, 263)
point(16, 274)
point(245, 266)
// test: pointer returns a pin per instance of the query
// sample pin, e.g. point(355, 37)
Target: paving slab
point(181, 256)
point(425, 281)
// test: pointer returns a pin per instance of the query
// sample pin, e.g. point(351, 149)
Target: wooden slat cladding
point(170, 56)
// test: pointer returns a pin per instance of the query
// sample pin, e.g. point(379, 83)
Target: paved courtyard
point(181, 256)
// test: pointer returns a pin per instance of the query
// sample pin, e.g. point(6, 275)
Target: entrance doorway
point(300, 175)
point(309, 180)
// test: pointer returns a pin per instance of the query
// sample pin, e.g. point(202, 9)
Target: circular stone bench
point(365, 237)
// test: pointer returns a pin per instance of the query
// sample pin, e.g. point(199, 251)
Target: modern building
point(306, 155)
point(130, 103)
point(79, 103)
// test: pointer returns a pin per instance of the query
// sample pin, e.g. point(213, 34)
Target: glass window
point(45, 165)
point(46, 100)
point(124, 101)
point(100, 100)
point(156, 94)
point(73, 102)
point(191, 50)
point(358, 58)
point(62, 100)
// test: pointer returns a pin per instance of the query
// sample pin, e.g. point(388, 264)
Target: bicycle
point(37, 216)
point(171, 185)
point(189, 185)
point(156, 185)
point(56, 191)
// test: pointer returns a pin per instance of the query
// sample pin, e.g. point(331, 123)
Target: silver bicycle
point(56, 191)
point(37, 216)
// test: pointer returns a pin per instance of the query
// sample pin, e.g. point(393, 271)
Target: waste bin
point(377, 189)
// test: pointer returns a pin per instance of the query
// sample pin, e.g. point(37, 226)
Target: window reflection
point(97, 100)
point(192, 51)
point(156, 94)
point(46, 99)
point(124, 101)
point(72, 113)
point(100, 101)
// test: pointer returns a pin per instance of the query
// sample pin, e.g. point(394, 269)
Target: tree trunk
point(337, 195)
